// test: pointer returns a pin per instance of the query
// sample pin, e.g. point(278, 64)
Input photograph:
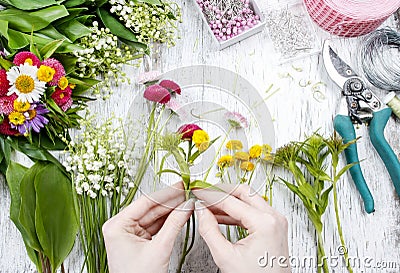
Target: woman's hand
point(266, 247)
point(131, 247)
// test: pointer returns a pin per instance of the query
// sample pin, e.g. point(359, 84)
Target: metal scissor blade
point(337, 69)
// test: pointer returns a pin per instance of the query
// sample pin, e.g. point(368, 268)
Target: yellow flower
point(45, 73)
point(63, 83)
point(72, 85)
point(247, 166)
point(266, 149)
point(201, 140)
point(17, 118)
point(21, 107)
point(225, 161)
point(255, 151)
point(243, 156)
point(268, 157)
point(265, 198)
point(234, 145)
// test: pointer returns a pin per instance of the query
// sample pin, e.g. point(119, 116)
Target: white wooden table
point(296, 113)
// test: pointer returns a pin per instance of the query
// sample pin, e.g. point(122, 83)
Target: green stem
point(184, 252)
point(216, 155)
point(340, 231)
point(321, 257)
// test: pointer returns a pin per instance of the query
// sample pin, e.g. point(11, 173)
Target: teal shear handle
point(376, 130)
point(345, 128)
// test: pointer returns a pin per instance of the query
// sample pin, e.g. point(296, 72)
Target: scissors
point(359, 105)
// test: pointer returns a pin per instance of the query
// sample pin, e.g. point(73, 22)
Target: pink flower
point(58, 67)
point(187, 130)
point(173, 87)
point(236, 120)
point(4, 83)
point(157, 93)
point(60, 96)
point(67, 105)
point(26, 56)
point(7, 104)
point(5, 128)
point(63, 97)
point(148, 77)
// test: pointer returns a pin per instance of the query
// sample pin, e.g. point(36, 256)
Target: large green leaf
point(50, 32)
point(82, 84)
point(74, 3)
point(55, 219)
point(74, 30)
point(115, 26)
point(17, 40)
point(50, 48)
point(31, 5)
point(14, 175)
point(4, 28)
point(28, 204)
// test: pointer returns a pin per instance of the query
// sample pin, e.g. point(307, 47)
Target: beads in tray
point(228, 18)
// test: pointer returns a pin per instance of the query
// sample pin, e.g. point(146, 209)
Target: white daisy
point(24, 82)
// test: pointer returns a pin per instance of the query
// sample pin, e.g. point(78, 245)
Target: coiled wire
point(380, 59)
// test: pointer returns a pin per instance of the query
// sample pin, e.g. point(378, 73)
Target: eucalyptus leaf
point(55, 219)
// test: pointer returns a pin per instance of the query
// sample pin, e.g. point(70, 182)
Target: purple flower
point(34, 119)
point(187, 130)
point(157, 93)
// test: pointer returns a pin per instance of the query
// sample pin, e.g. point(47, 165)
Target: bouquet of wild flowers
point(96, 36)
point(38, 102)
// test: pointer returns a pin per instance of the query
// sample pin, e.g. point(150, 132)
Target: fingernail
point(199, 208)
point(188, 204)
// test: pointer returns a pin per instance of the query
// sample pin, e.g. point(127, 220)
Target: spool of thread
point(350, 18)
point(393, 102)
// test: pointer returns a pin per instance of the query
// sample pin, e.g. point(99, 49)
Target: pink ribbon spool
point(350, 18)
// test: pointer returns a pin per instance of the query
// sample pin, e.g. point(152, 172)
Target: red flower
point(187, 130)
point(157, 93)
point(5, 128)
point(7, 104)
point(26, 56)
point(4, 83)
point(58, 67)
point(173, 87)
point(61, 97)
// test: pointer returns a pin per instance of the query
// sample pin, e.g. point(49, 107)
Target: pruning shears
point(359, 105)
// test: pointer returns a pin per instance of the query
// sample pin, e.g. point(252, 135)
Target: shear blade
point(337, 69)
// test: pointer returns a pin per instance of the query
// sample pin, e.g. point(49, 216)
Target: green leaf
point(31, 5)
point(6, 64)
point(14, 175)
point(17, 39)
point(73, 13)
point(55, 219)
point(51, 14)
point(6, 150)
point(69, 62)
point(74, 3)
point(315, 219)
point(74, 30)
point(4, 28)
point(100, 3)
point(50, 32)
point(325, 199)
point(198, 184)
point(168, 171)
point(136, 45)
point(308, 191)
point(82, 84)
point(50, 48)
point(151, 2)
point(28, 204)
point(318, 173)
point(345, 169)
point(115, 26)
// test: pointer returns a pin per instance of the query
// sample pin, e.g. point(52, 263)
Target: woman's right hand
point(265, 249)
